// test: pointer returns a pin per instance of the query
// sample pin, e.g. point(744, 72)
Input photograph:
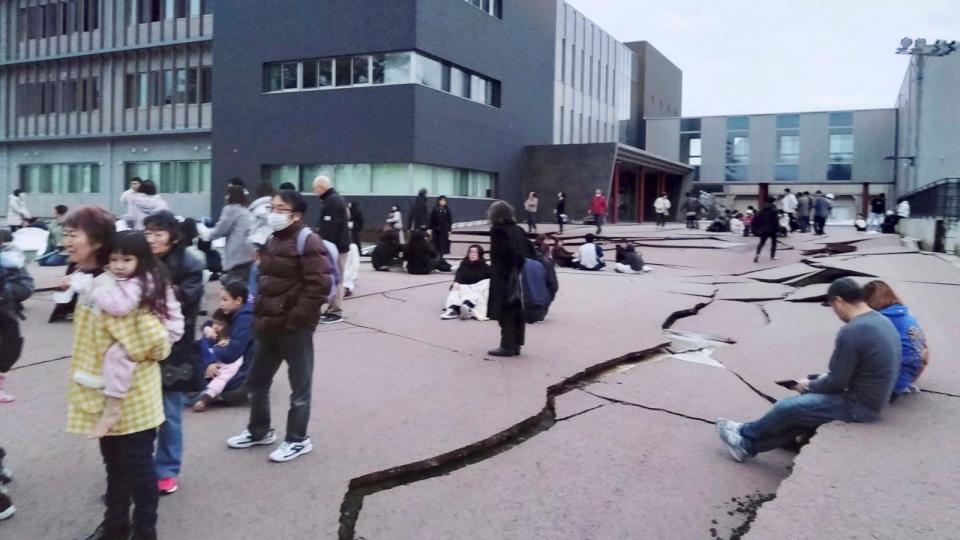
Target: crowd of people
point(134, 291)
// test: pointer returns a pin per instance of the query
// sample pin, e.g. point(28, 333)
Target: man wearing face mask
point(294, 282)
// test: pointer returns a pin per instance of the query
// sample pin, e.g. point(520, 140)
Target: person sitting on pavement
point(860, 224)
point(388, 252)
point(590, 255)
point(470, 288)
point(422, 258)
point(540, 286)
point(227, 355)
point(890, 222)
point(914, 353)
point(560, 256)
point(55, 255)
point(736, 224)
point(629, 261)
point(862, 374)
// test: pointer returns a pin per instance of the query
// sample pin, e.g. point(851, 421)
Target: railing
point(940, 199)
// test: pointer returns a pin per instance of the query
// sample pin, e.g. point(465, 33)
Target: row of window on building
point(144, 89)
point(169, 176)
point(380, 69)
point(490, 7)
point(387, 178)
point(70, 16)
point(839, 167)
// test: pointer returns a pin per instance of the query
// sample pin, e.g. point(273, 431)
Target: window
point(788, 148)
point(148, 11)
point(167, 87)
point(840, 166)
point(58, 96)
point(309, 74)
point(325, 73)
point(787, 173)
point(387, 178)
point(738, 148)
point(342, 69)
point(173, 176)
point(493, 8)
point(60, 178)
point(788, 121)
point(429, 72)
point(361, 70)
point(691, 149)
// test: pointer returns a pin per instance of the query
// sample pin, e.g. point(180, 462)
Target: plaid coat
point(145, 340)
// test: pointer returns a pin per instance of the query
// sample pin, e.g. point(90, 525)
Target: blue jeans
point(799, 415)
point(170, 437)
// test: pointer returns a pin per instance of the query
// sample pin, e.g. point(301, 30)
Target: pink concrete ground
point(633, 455)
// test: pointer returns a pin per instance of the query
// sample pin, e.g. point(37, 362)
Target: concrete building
point(96, 91)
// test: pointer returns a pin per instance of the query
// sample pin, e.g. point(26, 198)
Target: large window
point(379, 69)
point(172, 176)
point(738, 148)
point(167, 87)
point(58, 18)
point(58, 96)
point(691, 148)
point(841, 146)
point(387, 178)
point(788, 148)
point(491, 7)
point(147, 11)
point(60, 178)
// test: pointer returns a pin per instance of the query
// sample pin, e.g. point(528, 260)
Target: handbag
point(182, 371)
point(515, 287)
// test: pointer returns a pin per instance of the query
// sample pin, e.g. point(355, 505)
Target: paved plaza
point(602, 429)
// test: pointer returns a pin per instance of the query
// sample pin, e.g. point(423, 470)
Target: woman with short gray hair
point(508, 251)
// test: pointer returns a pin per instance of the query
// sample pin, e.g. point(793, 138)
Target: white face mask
point(278, 222)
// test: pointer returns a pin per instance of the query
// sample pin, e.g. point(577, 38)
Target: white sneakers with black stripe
point(289, 451)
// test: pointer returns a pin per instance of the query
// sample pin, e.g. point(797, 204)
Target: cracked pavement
point(602, 429)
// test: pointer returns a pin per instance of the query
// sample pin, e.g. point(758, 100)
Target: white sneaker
point(289, 451)
point(245, 440)
point(449, 314)
point(729, 432)
point(465, 313)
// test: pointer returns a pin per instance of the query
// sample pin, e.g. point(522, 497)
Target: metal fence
point(940, 199)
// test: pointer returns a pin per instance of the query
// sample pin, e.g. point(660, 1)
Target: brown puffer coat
point(291, 289)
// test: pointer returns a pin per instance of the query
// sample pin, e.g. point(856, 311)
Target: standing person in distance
point(598, 207)
point(292, 288)
point(530, 206)
point(508, 251)
point(878, 211)
point(803, 211)
point(130, 192)
point(17, 213)
point(419, 215)
point(790, 204)
point(766, 225)
point(561, 209)
point(334, 228)
point(662, 207)
point(235, 225)
point(441, 223)
point(692, 208)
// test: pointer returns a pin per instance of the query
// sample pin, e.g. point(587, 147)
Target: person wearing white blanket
point(470, 288)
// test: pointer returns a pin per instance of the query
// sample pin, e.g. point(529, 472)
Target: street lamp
point(919, 47)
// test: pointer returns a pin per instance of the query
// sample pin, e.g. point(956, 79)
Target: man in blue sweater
point(863, 370)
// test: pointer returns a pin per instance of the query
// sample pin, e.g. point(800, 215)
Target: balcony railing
point(940, 199)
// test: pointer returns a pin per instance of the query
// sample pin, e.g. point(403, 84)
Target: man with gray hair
point(858, 385)
point(333, 227)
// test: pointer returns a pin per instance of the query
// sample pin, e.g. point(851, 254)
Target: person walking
point(561, 210)
point(355, 223)
point(333, 227)
point(821, 211)
point(530, 206)
point(803, 211)
point(441, 223)
point(235, 225)
point(419, 215)
point(180, 369)
point(878, 211)
point(662, 207)
point(598, 207)
point(508, 251)
point(294, 283)
point(17, 213)
point(766, 225)
point(790, 204)
point(692, 208)
point(856, 388)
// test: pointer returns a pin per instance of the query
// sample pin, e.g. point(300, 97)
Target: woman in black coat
point(356, 223)
point(386, 254)
point(441, 222)
point(422, 258)
point(508, 249)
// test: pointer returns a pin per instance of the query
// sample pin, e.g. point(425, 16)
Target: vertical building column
point(865, 205)
point(642, 195)
point(615, 193)
point(762, 193)
point(661, 183)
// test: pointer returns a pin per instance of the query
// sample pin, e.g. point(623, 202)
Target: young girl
point(395, 221)
point(219, 371)
point(133, 280)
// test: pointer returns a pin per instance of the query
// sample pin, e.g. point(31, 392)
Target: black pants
point(11, 341)
point(560, 222)
point(819, 223)
point(661, 220)
point(692, 221)
point(531, 222)
point(296, 347)
point(441, 241)
point(773, 244)
point(512, 329)
point(598, 218)
point(130, 477)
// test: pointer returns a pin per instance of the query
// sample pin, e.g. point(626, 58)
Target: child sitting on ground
point(225, 341)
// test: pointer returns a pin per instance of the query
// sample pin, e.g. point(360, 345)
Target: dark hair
point(147, 187)
point(786, 190)
point(264, 189)
point(220, 316)
point(60, 209)
point(589, 238)
point(480, 253)
point(293, 199)
point(164, 221)
point(237, 289)
point(17, 192)
point(390, 236)
point(99, 226)
point(422, 192)
point(441, 198)
point(236, 181)
point(847, 289)
point(818, 192)
point(501, 213)
point(188, 231)
point(236, 195)
point(771, 200)
point(150, 272)
point(136, 179)
point(287, 185)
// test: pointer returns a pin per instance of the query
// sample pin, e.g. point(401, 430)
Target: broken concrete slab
point(817, 292)
point(734, 320)
point(575, 403)
point(753, 292)
point(536, 490)
point(781, 274)
point(906, 267)
point(873, 480)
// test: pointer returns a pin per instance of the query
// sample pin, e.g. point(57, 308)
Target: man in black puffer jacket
point(766, 225)
point(333, 227)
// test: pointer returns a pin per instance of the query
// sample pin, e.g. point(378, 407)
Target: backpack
point(536, 296)
point(332, 255)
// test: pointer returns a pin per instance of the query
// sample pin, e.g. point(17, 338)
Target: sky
point(766, 56)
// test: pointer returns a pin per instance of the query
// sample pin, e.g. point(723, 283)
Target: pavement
point(602, 429)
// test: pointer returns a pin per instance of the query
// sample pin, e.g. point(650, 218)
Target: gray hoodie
point(140, 205)
point(234, 225)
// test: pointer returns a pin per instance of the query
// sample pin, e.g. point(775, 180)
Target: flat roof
point(769, 113)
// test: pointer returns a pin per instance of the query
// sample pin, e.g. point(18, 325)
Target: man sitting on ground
point(590, 255)
point(863, 370)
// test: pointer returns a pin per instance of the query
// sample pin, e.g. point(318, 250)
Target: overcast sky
point(762, 56)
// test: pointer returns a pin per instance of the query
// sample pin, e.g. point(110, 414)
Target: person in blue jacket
point(219, 351)
point(913, 344)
